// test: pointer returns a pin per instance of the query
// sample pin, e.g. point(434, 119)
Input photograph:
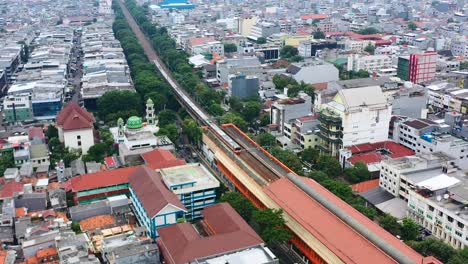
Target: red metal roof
point(314, 16)
point(10, 188)
point(341, 239)
point(181, 244)
point(151, 191)
point(369, 152)
point(365, 186)
point(109, 162)
point(200, 41)
point(101, 179)
point(72, 116)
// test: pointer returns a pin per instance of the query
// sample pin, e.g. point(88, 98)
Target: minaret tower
point(150, 112)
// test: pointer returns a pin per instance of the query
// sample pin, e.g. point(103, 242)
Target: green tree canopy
point(271, 225)
point(329, 165)
point(251, 110)
point(261, 40)
point(241, 204)
point(412, 26)
point(171, 131)
point(288, 158)
point(265, 140)
point(358, 173)
point(438, 249)
point(192, 130)
point(409, 229)
point(230, 47)
point(310, 155)
point(97, 152)
point(368, 31)
point(319, 34)
point(166, 117)
point(6, 161)
point(109, 102)
point(52, 132)
point(288, 51)
point(282, 81)
point(370, 49)
point(390, 224)
point(235, 119)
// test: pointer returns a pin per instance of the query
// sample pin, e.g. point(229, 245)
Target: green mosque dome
point(134, 122)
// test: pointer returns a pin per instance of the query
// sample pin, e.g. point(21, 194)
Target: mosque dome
point(134, 122)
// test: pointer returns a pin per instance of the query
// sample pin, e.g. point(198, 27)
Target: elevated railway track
point(325, 229)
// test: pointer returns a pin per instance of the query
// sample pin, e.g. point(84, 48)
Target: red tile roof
point(10, 188)
point(344, 241)
point(100, 221)
point(314, 16)
point(307, 118)
point(151, 191)
point(72, 116)
point(36, 132)
point(200, 41)
point(369, 153)
point(101, 179)
point(161, 158)
point(180, 243)
point(365, 186)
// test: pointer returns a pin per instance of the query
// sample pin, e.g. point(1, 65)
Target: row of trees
point(269, 223)
point(176, 61)
point(293, 86)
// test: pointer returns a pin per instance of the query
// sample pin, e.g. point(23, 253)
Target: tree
point(235, 119)
point(265, 120)
point(171, 131)
point(51, 132)
point(288, 51)
point(461, 257)
point(96, 152)
point(288, 158)
point(192, 130)
point(318, 176)
point(370, 49)
point(358, 173)
point(159, 100)
point(215, 109)
point(310, 155)
point(412, 26)
point(371, 213)
point(438, 249)
point(266, 140)
point(271, 225)
point(409, 229)
point(329, 165)
point(75, 226)
point(166, 117)
point(236, 104)
point(109, 102)
point(6, 161)
point(230, 47)
point(261, 40)
point(251, 110)
point(319, 34)
point(282, 81)
point(368, 31)
point(296, 58)
point(390, 224)
point(242, 205)
point(340, 189)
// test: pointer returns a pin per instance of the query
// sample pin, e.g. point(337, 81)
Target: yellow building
point(246, 24)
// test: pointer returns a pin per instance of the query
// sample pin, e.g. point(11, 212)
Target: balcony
point(328, 117)
point(324, 149)
point(330, 139)
point(327, 131)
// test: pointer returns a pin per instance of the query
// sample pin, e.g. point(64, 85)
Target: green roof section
point(134, 122)
point(341, 61)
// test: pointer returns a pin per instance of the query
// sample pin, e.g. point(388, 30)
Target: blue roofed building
point(155, 206)
point(176, 4)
